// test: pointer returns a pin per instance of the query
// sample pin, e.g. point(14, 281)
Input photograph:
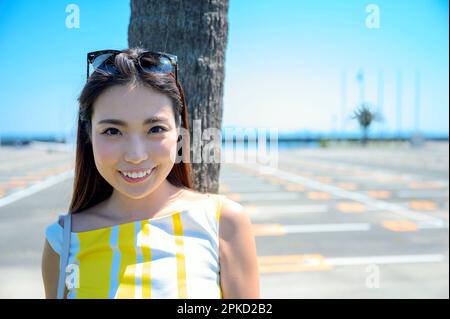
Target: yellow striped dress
point(172, 256)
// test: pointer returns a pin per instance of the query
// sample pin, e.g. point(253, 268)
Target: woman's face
point(134, 144)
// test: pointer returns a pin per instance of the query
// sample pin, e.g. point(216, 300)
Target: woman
point(139, 230)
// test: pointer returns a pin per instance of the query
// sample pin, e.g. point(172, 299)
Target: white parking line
point(53, 180)
point(362, 198)
point(433, 224)
point(320, 228)
point(274, 229)
point(275, 210)
point(325, 164)
point(395, 259)
point(318, 262)
point(423, 193)
point(254, 197)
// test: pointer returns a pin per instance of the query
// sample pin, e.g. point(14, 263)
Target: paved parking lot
point(329, 223)
point(349, 223)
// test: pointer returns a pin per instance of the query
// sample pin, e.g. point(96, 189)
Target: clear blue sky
point(286, 62)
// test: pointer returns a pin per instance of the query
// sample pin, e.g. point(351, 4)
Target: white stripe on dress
point(114, 277)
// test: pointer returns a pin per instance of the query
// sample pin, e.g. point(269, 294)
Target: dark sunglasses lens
point(152, 63)
point(105, 63)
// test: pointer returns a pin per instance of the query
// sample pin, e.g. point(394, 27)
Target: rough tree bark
point(196, 31)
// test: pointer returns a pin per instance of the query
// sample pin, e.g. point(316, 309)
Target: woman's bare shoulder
point(233, 216)
point(193, 195)
point(90, 218)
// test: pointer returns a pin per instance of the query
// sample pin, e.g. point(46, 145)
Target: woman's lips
point(136, 180)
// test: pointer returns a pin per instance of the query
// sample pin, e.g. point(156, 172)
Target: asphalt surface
point(339, 222)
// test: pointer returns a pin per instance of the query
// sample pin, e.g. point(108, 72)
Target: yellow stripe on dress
point(146, 260)
point(127, 267)
point(219, 207)
point(181, 260)
point(95, 268)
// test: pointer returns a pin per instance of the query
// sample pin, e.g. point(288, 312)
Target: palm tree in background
point(195, 31)
point(365, 116)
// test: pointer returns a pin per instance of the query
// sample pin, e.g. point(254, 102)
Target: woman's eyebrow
point(150, 120)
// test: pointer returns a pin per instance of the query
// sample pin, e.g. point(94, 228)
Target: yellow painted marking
point(28, 178)
point(422, 205)
point(292, 263)
point(292, 187)
point(397, 179)
point(224, 188)
point(324, 179)
point(351, 207)
point(400, 225)
point(363, 173)
point(250, 209)
point(424, 185)
point(268, 230)
point(305, 173)
point(341, 169)
point(276, 180)
point(234, 196)
point(319, 195)
point(245, 170)
point(38, 176)
point(18, 183)
point(379, 194)
point(8, 187)
point(347, 186)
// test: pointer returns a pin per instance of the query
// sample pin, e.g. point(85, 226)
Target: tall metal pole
point(343, 99)
point(417, 101)
point(399, 102)
point(360, 79)
point(380, 95)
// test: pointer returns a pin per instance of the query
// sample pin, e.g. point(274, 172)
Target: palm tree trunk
point(364, 136)
point(196, 31)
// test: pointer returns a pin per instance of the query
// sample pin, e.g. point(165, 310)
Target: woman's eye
point(110, 129)
point(156, 129)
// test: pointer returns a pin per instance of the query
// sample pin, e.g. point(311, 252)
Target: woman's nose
point(136, 151)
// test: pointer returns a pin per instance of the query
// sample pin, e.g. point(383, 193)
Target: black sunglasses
point(148, 62)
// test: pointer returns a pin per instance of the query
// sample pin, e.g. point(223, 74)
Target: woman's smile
point(136, 177)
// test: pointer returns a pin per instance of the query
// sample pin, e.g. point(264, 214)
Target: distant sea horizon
point(285, 138)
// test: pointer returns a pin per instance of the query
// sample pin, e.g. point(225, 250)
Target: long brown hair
point(90, 188)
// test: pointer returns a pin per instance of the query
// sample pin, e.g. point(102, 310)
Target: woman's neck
point(121, 206)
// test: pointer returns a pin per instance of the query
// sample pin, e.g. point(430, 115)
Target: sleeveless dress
point(172, 256)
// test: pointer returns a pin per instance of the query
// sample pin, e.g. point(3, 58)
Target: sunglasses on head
point(147, 61)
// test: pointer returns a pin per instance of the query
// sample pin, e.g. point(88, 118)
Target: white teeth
point(138, 174)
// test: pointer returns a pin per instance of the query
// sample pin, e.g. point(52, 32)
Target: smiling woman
point(122, 142)
point(138, 228)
